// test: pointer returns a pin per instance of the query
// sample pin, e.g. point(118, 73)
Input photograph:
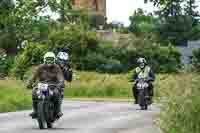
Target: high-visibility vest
point(143, 73)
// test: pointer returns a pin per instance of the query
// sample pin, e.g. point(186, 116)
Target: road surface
point(88, 117)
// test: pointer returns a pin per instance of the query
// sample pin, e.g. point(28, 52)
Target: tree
point(174, 25)
point(191, 10)
point(19, 21)
point(157, 2)
point(141, 23)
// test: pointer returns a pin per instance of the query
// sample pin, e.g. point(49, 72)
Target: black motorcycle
point(45, 108)
point(143, 94)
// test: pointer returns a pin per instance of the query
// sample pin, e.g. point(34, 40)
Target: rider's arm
point(151, 75)
point(135, 76)
point(33, 79)
point(60, 77)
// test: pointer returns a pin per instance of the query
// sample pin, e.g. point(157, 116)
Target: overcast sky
point(120, 10)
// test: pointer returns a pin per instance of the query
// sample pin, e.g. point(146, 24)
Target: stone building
point(97, 7)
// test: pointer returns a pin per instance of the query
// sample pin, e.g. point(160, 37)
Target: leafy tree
point(191, 10)
point(175, 29)
point(141, 23)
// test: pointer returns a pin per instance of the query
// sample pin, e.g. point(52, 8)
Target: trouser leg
point(151, 92)
point(57, 103)
point(135, 93)
point(34, 103)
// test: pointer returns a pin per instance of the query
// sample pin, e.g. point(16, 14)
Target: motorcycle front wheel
point(142, 101)
point(41, 116)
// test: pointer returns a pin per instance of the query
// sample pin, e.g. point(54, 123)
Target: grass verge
point(180, 113)
point(180, 92)
point(13, 97)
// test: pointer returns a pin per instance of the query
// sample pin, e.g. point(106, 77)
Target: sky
point(121, 10)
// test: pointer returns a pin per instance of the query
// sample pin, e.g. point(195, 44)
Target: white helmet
point(141, 60)
point(63, 56)
point(49, 58)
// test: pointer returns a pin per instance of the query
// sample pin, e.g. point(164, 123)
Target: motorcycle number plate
point(42, 86)
point(140, 86)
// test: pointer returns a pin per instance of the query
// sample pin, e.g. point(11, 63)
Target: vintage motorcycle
point(143, 93)
point(45, 106)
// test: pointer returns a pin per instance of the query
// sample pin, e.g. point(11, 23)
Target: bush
point(8, 42)
point(6, 63)
point(96, 20)
point(181, 111)
point(196, 60)
point(74, 37)
point(162, 58)
point(116, 58)
point(78, 40)
point(13, 97)
point(32, 55)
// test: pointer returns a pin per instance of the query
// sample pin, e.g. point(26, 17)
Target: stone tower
point(93, 6)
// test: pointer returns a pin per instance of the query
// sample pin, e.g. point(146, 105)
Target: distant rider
point(64, 63)
point(143, 71)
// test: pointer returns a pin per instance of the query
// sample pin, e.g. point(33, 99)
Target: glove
point(29, 86)
point(61, 85)
point(148, 79)
point(136, 80)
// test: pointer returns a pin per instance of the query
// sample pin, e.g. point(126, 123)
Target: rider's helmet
point(49, 58)
point(142, 62)
point(63, 58)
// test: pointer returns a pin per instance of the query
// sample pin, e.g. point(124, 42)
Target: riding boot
point(151, 93)
point(58, 112)
point(34, 103)
point(34, 113)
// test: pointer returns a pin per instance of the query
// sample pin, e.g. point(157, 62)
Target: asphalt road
point(88, 117)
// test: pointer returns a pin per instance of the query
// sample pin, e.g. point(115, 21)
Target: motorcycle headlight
point(139, 85)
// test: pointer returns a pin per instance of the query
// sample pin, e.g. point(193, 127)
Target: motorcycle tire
point(41, 116)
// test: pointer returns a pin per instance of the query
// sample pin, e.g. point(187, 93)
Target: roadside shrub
point(196, 60)
point(6, 63)
point(8, 42)
point(32, 55)
point(116, 58)
point(163, 59)
point(78, 40)
point(181, 110)
point(13, 97)
point(111, 66)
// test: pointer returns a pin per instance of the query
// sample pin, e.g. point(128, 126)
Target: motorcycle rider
point(51, 73)
point(143, 71)
point(63, 62)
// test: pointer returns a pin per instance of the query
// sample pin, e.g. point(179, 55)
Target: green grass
point(180, 113)
point(180, 94)
point(13, 97)
point(91, 84)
